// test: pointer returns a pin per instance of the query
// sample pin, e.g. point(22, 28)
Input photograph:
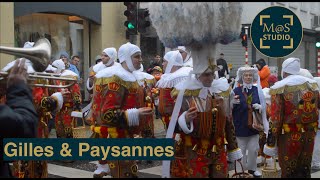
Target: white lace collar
point(172, 79)
point(193, 84)
point(116, 70)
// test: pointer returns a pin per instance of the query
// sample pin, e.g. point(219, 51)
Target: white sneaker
point(102, 170)
point(257, 173)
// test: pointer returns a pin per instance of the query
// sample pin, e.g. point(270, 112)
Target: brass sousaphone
point(39, 55)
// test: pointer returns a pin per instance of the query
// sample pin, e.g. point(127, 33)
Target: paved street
point(84, 169)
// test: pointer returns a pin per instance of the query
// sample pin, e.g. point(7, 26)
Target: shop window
point(64, 32)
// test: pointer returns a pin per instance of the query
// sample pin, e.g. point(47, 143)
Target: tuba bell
point(39, 54)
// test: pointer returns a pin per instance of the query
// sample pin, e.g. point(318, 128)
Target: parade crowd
point(215, 120)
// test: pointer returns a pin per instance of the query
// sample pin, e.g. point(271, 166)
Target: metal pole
point(246, 48)
point(318, 49)
point(133, 39)
point(246, 55)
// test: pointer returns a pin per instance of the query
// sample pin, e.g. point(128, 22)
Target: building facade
point(66, 25)
point(234, 53)
point(86, 28)
point(306, 11)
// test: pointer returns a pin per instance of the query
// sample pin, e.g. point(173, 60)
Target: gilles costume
point(294, 121)
point(147, 82)
point(316, 150)
point(112, 53)
point(116, 98)
point(63, 119)
point(167, 81)
point(44, 104)
point(200, 146)
point(187, 62)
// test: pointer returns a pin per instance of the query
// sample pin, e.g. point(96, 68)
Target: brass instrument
point(33, 77)
point(39, 55)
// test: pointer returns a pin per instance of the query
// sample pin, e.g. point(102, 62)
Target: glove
point(257, 107)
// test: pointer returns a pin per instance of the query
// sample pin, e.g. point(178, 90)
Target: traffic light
point(131, 13)
point(244, 41)
point(143, 23)
point(318, 44)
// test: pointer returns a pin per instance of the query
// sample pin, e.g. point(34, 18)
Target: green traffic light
point(130, 26)
point(318, 44)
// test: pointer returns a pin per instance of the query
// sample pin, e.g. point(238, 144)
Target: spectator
point(223, 67)
point(74, 65)
point(155, 62)
point(18, 117)
point(65, 58)
point(247, 97)
point(264, 72)
point(157, 73)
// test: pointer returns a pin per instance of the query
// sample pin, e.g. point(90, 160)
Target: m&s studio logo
point(276, 32)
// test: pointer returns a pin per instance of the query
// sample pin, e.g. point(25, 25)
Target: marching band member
point(44, 105)
point(204, 128)
point(108, 59)
point(63, 119)
point(173, 74)
point(294, 121)
point(186, 56)
point(116, 111)
point(147, 82)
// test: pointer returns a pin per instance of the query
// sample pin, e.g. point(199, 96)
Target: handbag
point(240, 174)
point(254, 117)
point(257, 122)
